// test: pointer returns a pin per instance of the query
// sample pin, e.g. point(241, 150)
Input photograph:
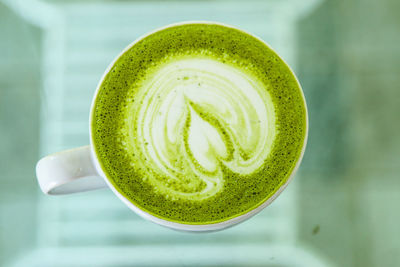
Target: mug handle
point(68, 171)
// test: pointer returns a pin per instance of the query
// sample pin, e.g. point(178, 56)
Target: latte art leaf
point(192, 117)
point(198, 123)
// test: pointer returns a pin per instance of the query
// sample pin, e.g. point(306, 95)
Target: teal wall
point(19, 133)
point(349, 65)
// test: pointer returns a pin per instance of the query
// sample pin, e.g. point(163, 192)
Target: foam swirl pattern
point(192, 117)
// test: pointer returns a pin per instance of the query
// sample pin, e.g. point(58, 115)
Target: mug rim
point(206, 227)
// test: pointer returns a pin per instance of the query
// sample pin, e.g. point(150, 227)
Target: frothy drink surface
point(198, 123)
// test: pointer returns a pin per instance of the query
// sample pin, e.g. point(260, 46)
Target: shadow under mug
point(78, 170)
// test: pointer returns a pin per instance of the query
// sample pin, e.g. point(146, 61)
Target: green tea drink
point(198, 123)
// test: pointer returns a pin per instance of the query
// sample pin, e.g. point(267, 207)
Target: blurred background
point(342, 209)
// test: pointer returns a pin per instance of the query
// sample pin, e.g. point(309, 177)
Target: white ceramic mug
point(78, 169)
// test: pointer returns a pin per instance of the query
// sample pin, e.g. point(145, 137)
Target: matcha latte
point(198, 123)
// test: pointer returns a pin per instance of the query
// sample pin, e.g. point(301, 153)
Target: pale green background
point(341, 210)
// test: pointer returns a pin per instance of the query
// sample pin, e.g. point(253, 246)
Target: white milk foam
point(232, 123)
